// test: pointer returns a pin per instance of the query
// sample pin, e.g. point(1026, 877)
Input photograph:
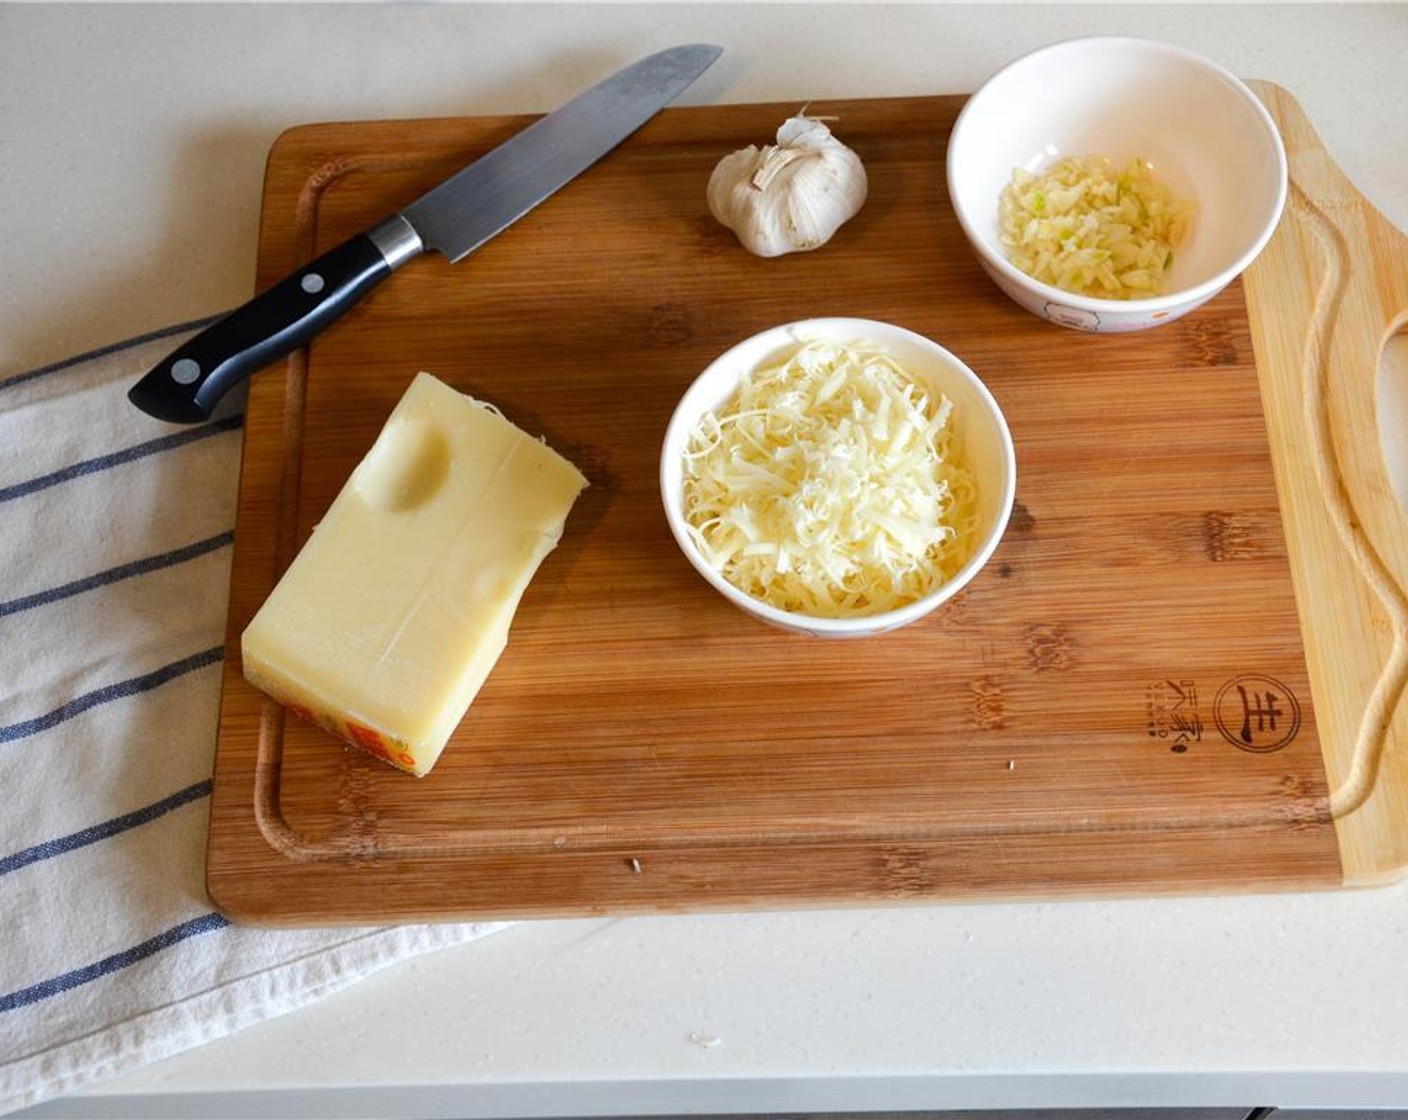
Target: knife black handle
point(187, 384)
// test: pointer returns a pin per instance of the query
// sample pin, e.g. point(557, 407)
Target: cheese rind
point(391, 616)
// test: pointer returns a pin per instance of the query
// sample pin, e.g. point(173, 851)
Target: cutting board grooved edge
point(625, 841)
point(1335, 360)
point(1336, 487)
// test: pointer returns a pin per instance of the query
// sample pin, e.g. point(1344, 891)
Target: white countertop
point(132, 146)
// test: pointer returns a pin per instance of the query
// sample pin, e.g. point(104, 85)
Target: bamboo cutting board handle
point(1324, 298)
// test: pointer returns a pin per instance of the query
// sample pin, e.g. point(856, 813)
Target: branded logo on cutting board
point(1173, 716)
point(1257, 713)
point(1253, 712)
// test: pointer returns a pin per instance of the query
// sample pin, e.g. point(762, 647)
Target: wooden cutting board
point(1180, 671)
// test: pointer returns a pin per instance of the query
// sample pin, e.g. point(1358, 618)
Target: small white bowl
point(1207, 136)
point(982, 437)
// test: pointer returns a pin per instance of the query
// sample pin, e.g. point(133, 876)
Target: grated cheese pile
point(1083, 228)
point(830, 485)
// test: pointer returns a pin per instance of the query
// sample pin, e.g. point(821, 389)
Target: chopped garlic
point(831, 485)
point(1084, 229)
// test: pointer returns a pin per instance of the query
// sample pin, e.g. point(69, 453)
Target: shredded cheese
point(1083, 228)
point(830, 485)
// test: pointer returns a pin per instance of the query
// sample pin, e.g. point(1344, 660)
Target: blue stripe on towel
point(121, 572)
point(110, 692)
point(80, 976)
point(111, 348)
point(74, 840)
point(117, 458)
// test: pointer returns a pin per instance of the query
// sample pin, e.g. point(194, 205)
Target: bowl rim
point(861, 625)
point(1167, 300)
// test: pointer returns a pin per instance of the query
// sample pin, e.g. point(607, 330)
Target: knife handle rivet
point(185, 371)
point(312, 283)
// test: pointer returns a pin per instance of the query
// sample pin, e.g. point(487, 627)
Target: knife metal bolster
point(397, 240)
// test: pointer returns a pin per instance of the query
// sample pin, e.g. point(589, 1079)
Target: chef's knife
point(454, 218)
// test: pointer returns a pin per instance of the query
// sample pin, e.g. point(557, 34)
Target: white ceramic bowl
point(982, 436)
point(1207, 136)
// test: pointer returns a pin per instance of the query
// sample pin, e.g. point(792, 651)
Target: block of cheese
point(391, 616)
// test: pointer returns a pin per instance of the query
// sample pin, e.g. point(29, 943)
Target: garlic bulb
point(788, 197)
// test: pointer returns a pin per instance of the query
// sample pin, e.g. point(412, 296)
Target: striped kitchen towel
point(115, 534)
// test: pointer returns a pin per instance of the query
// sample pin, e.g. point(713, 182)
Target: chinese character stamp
point(1257, 713)
point(1173, 716)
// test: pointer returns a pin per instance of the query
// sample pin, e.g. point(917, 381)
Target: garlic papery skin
point(792, 196)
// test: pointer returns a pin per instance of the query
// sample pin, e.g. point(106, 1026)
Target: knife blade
point(453, 218)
